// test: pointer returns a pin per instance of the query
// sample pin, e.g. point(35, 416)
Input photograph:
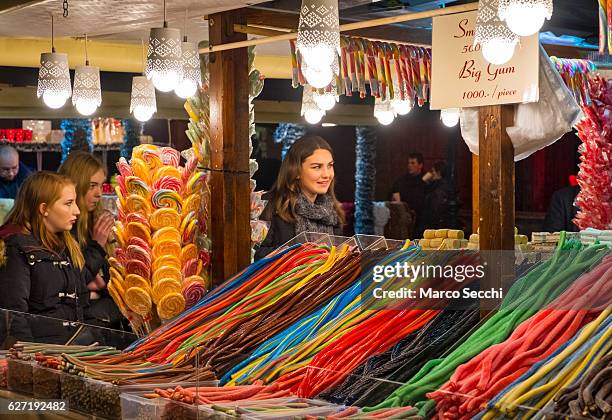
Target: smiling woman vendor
point(302, 199)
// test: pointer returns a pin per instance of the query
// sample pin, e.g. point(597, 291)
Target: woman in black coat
point(41, 263)
point(303, 198)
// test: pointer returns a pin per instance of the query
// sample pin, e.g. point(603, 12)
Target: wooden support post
point(475, 194)
point(229, 134)
point(496, 196)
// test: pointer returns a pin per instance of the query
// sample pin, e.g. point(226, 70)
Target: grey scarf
point(319, 216)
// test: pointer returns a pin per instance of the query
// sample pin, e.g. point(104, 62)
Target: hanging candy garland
point(575, 74)
point(376, 63)
point(605, 27)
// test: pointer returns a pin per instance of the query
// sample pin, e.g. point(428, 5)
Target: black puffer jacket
point(36, 281)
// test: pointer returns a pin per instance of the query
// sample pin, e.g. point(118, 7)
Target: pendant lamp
point(54, 76)
point(87, 94)
point(525, 17)
point(450, 116)
point(164, 58)
point(142, 103)
point(383, 111)
point(310, 110)
point(493, 35)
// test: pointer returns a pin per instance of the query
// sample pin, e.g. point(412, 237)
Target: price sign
point(462, 78)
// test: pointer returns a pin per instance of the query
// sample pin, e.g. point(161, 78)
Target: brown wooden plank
point(229, 121)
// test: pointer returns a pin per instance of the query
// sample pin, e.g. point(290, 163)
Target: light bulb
point(142, 113)
point(86, 107)
point(54, 100)
point(497, 51)
point(186, 89)
point(313, 116)
point(318, 77)
point(165, 82)
point(325, 101)
point(384, 117)
point(401, 107)
point(524, 19)
point(450, 116)
point(320, 55)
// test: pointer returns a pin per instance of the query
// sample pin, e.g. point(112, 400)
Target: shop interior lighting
point(383, 111)
point(450, 116)
point(310, 110)
point(86, 94)
point(164, 58)
point(143, 104)
point(318, 40)
point(326, 100)
point(54, 76)
point(525, 17)
point(496, 39)
point(192, 75)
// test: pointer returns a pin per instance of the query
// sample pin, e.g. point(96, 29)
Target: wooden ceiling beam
point(7, 6)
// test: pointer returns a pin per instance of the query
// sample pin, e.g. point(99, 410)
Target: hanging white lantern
point(142, 103)
point(383, 111)
point(54, 79)
point(318, 40)
point(525, 17)
point(310, 110)
point(164, 58)
point(87, 95)
point(325, 99)
point(450, 116)
point(192, 76)
point(493, 35)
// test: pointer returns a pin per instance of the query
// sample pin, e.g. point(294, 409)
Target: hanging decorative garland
point(575, 74)
point(287, 134)
point(377, 63)
point(132, 130)
point(365, 178)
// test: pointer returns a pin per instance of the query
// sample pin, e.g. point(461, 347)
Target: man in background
point(12, 172)
point(410, 188)
point(561, 210)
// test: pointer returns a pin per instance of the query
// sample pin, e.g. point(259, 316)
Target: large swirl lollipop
point(166, 261)
point(152, 160)
point(137, 204)
point(166, 248)
point(167, 198)
point(195, 183)
point(135, 252)
point(167, 272)
point(141, 170)
point(167, 171)
point(164, 287)
point(170, 156)
point(192, 267)
point(124, 167)
point(168, 183)
point(171, 305)
point(165, 218)
point(136, 185)
point(193, 291)
point(137, 217)
point(134, 280)
point(138, 300)
point(135, 240)
point(139, 230)
point(168, 233)
point(138, 267)
point(189, 252)
point(191, 204)
point(116, 265)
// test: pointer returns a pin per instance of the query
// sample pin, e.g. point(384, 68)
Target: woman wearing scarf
point(302, 199)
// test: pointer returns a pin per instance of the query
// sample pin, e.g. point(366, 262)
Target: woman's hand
point(102, 228)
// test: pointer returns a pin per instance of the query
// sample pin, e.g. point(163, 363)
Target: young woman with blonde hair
point(303, 198)
point(41, 263)
point(92, 231)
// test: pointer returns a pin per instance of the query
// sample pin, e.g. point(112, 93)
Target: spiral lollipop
point(137, 204)
point(139, 230)
point(165, 287)
point(137, 216)
point(167, 171)
point(205, 257)
point(189, 169)
point(165, 218)
point(193, 291)
point(170, 156)
point(135, 185)
point(139, 151)
point(167, 233)
point(135, 280)
point(138, 300)
point(191, 267)
point(190, 231)
point(135, 240)
point(171, 305)
point(166, 248)
point(124, 168)
point(167, 272)
point(116, 265)
point(191, 204)
point(141, 170)
point(167, 198)
point(152, 160)
point(189, 251)
point(121, 185)
point(166, 261)
point(138, 267)
point(135, 252)
point(195, 182)
point(168, 183)
point(119, 232)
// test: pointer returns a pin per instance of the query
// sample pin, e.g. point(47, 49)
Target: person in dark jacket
point(41, 263)
point(436, 210)
point(92, 232)
point(303, 198)
point(562, 211)
point(13, 173)
point(410, 189)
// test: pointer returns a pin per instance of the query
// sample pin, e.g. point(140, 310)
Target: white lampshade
point(142, 104)
point(192, 75)
point(496, 39)
point(318, 40)
point(87, 95)
point(164, 58)
point(310, 110)
point(54, 79)
point(450, 116)
point(325, 99)
point(525, 17)
point(383, 111)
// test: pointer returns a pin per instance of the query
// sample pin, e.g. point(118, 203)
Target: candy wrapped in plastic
point(595, 176)
point(259, 230)
point(257, 204)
